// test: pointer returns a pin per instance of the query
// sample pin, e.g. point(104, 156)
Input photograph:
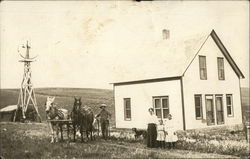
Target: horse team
point(81, 118)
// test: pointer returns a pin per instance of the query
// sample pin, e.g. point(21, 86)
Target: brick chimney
point(165, 34)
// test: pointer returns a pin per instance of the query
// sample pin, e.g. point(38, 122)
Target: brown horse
point(82, 118)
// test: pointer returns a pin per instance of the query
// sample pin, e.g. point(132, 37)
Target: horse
point(53, 113)
point(82, 118)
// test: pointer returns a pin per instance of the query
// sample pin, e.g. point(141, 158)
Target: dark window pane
point(229, 110)
point(128, 114)
point(158, 113)
point(229, 100)
point(157, 103)
point(165, 113)
point(165, 103)
point(197, 101)
point(198, 112)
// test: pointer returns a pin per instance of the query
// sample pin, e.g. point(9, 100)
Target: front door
point(219, 109)
point(210, 110)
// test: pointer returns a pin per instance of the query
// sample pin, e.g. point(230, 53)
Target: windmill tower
point(27, 94)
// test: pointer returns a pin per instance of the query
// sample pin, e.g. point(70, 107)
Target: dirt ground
point(32, 140)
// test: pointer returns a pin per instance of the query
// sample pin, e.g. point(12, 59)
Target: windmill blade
point(21, 55)
point(34, 57)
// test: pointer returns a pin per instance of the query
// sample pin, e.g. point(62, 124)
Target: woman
point(151, 132)
point(171, 137)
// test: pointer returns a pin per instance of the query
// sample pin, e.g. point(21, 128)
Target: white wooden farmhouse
point(198, 83)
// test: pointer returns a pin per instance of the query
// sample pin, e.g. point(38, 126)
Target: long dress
point(170, 129)
point(151, 131)
point(160, 133)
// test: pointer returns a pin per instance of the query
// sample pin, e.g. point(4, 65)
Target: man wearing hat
point(104, 120)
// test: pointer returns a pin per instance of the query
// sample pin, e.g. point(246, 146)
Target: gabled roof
point(169, 59)
point(226, 54)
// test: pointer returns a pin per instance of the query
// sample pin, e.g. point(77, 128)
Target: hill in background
point(91, 97)
point(64, 98)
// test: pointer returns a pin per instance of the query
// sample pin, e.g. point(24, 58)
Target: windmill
point(27, 96)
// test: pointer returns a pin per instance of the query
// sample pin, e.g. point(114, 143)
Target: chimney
point(165, 34)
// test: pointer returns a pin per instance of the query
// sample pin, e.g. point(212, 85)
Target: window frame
point(125, 109)
point(221, 69)
point(232, 110)
point(205, 68)
point(201, 109)
point(161, 106)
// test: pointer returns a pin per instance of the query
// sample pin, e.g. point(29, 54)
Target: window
point(221, 73)
point(161, 106)
point(127, 109)
point(198, 106)
point(229, 101)
point(203, 67)
point(219, 109)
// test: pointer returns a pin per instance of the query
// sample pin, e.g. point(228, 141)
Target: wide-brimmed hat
point(103, 105)
point(150, 109)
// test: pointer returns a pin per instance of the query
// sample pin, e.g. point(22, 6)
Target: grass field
point(31, 141)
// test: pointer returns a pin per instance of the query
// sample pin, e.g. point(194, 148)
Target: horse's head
point(49, 104)
point(77, 104)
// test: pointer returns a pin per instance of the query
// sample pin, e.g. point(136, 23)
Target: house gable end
point(226, 54)
point(223, 50)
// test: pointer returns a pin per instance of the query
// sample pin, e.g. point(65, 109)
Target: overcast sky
point(87, 43)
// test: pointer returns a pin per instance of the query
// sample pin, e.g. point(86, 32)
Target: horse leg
point(91, 130)
point(61, 130)
point(74, 133)
point(68, 130)
point(51, 132)
point(57, 132)
point(81, 131)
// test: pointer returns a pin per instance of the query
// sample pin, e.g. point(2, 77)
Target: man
point(104, 116)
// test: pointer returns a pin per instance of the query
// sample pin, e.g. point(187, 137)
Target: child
point(160, 134)
point(171, 136)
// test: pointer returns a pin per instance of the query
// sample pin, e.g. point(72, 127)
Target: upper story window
point(220, 63)
point(161, 106)
point(203, 67)
point(127, 108)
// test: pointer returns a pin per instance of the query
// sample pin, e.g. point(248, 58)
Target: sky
point(89, 44)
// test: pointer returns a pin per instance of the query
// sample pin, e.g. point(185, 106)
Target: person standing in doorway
point(151, 131)
point(104, 117)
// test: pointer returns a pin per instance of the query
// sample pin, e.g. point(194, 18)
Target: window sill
point(199, 118)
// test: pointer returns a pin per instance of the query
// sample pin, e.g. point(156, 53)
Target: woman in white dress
point(170, 132)
point(161, 134)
